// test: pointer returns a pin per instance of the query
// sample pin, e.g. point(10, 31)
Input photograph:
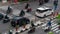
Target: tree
point(58, 19)
point(50, 32)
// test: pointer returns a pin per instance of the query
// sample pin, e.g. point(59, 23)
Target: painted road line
point(57, 31)
point(54, 27)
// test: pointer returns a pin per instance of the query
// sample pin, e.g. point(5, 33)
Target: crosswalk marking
point(44, 24)
point(54, 27)
point(53, 24)
point(57, 31)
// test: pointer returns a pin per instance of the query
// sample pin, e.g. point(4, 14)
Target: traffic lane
point(4, 26)
point(27, 15)
point(2, 11)
point(39, 31)
point(19, 6)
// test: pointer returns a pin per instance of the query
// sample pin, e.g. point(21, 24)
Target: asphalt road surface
point(34, 5)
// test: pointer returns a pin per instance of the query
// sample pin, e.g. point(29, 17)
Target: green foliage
point(58, 21)
point(58, 17)
point(0, 0)
point(0, 33)
point(50, 32)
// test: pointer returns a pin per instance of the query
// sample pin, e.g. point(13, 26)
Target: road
point(34, 5)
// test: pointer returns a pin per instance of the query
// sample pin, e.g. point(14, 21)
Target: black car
point(20, 21)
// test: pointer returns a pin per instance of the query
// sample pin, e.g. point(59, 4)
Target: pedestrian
point(6, 17)
point(27, 5)
point(22, 13)
point(17, 26)
point(10, 32)
point(40, 2)
point(49, 24)
point(17, 33)
point(29, 9)
point(55, 4)
point(13, 23)
point(9, 10)
point(32, 24)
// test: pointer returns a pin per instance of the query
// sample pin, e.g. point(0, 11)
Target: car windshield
point(41, 11)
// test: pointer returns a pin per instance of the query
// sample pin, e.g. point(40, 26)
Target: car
point(43, 11)
point(19, 21)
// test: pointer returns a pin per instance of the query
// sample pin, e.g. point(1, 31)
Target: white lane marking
point(57, 31)
point(44, 24)
point(54, 27)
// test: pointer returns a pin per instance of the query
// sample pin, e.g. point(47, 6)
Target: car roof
point(17, 17)
point(43, 8)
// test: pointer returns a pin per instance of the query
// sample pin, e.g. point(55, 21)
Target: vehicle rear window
point(41, 11)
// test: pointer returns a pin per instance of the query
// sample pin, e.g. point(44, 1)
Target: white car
point(43, 11)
